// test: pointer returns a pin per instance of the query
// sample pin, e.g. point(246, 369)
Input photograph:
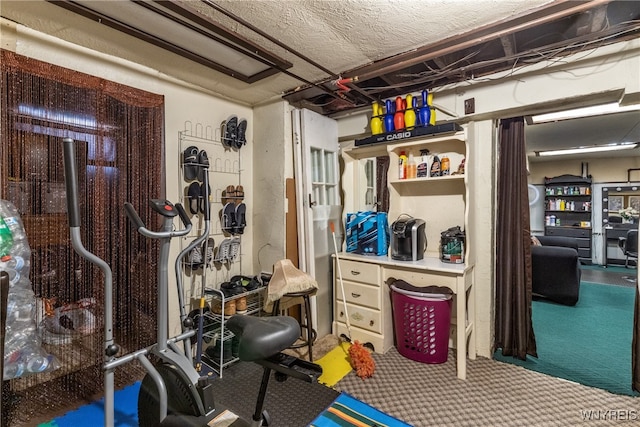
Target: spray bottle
point(402, 165)
point(422, 170)
point(435, 167)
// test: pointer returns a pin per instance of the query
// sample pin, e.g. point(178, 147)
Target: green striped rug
point(347, 411)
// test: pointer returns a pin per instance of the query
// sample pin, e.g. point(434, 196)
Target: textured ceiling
point(339, 35)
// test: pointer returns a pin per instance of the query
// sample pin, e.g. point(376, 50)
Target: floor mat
point(348, 411)
point(125, 414)
point(292, 403)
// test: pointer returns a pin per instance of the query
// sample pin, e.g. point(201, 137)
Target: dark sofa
point(556, 269)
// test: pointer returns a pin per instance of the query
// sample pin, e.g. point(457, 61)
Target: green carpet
point(589, 343)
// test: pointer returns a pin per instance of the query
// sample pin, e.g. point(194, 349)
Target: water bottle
point(36, 362)
point(20, 307)
point(13, 266)
point(13, 370)
point(6, 241)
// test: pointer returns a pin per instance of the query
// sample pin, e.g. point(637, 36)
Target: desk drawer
point(361, 294)
point(359, 271)
point(584, 252)
point(584, 243)
point(568, 232)
point(359, 316)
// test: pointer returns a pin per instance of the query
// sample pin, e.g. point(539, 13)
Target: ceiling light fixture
point(594, 110)
point(591, 149)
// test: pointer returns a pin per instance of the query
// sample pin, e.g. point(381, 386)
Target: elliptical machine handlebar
point(164, 208)
point(71, 181)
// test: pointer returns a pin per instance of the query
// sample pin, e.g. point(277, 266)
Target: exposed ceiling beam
point(541, 16)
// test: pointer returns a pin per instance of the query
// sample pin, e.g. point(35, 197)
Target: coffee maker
point(408, 239)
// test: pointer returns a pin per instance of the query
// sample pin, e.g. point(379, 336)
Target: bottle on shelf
point(411, 167)
point(435, 167)
point(444, 166)
point(402, 165)
point(422, 170)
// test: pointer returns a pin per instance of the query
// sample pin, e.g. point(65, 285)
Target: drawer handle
point(371, 323)
point(355, 272)
point(353, 294)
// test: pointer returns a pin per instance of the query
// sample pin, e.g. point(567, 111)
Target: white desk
point(373, 320)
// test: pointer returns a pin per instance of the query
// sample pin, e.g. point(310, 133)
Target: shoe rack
point(222, 348)
point(224, 257)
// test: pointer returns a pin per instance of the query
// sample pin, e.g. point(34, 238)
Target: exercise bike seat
point(262, 337)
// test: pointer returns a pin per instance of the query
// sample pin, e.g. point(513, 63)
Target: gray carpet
point(612, 275)
point(494, 394)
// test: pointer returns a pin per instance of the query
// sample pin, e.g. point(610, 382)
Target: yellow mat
point(335, 365)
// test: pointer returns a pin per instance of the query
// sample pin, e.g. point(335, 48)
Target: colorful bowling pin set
point(404, 113)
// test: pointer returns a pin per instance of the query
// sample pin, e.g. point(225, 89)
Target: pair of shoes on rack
point(233, 132)
point(207, 321)
point(197, 197)
point(232, 288)
point(195, 163)
point(196, 256)
point(233, 216)
point(208, 248)
point(249, 283)
point(228, 251)
point(229, 310)
point(213, 352)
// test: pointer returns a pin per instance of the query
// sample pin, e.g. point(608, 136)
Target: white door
point(318, 187)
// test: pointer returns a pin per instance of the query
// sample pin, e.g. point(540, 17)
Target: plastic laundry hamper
point(422, 322)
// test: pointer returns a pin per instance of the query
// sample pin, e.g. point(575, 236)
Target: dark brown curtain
point(635, 345)
point(513, 326)
point(382, 189)
point(119, 144)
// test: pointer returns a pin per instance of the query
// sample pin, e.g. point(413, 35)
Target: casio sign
point(399, 135)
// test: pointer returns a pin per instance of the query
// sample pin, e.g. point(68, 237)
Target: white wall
point(183, 103)
point(603, 73)
point(272, 159)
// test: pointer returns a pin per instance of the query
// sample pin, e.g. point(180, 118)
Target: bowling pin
point(376, 119)
point(409, 113)
point(388, 117)
point(398, 117)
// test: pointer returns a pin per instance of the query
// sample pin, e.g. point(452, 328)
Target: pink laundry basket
point(422, 322)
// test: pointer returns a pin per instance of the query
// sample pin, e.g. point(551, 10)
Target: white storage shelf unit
point(443, 202)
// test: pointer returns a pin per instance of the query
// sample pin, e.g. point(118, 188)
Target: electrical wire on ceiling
point(523, 59)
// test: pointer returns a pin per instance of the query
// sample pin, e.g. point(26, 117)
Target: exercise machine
point(173, 393)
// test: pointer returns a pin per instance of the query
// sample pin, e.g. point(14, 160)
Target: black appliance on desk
point(408, 239)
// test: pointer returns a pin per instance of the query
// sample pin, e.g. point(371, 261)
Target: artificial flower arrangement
point(629, 213)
